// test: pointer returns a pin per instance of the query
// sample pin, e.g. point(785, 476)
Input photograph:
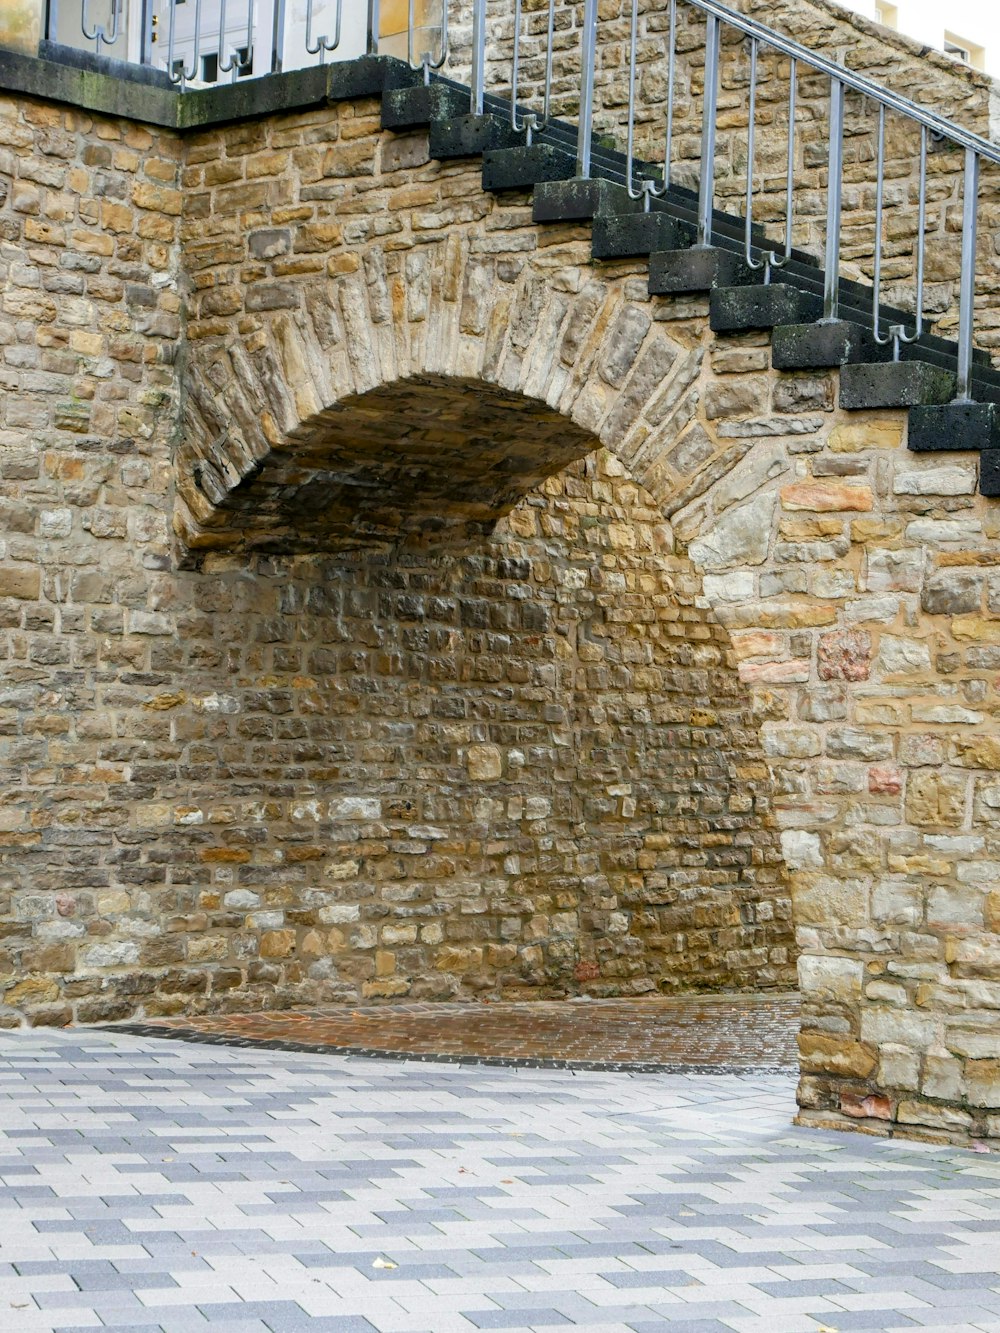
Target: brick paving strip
point(712, 1034)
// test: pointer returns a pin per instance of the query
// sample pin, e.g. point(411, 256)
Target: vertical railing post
point(588, 54)
point(790, 161)
point(478, 79)
point(374, 23)
point(879, 209)
point(671, 75)
point(751, 145)
point(710, 106)
point(834, 199)
point(278, 38)
point(52, 21)
point(967, 287)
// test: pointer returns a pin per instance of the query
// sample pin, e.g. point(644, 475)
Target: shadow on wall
point(512, 757)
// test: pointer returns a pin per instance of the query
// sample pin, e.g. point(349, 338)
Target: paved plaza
point(151, 1184)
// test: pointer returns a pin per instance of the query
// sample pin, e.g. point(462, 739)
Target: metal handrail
point(770, 259)
point(428, 63)
point(98, 33)
point(323, 45)
point(228, 64)
point(976, 150)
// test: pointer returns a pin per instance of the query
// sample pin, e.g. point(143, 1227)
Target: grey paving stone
point(172, 1187)
point(518, 1319)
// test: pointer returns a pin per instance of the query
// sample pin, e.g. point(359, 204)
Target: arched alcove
point(498, 743)
point(518, 763)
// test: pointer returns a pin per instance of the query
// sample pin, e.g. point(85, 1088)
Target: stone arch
point(491, 421)
point(569, 348)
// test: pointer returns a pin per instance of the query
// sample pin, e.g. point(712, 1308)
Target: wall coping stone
point(117, 88)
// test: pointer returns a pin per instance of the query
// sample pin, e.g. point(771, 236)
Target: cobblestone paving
point(716, 1031)
point(150, 1185)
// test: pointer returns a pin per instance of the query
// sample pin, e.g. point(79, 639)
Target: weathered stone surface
point(844, 655)
point(520, 168)
point(740, 537)
point(836, 1055)
point(898, 655)
point(736, 309)
point(956, 426)
point(824, 497)
point(469, 136)
point(624, 235)
point(895, 384)
point(430, 464)
point(952, 592)
point(484, 762)
point(681, 272)
point(800, 346)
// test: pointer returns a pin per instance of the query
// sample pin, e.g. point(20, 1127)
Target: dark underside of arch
point(427, 460)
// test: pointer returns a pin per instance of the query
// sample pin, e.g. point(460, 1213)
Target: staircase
point(951, 391)
point(817, 318)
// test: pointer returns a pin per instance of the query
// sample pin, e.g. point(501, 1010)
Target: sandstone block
point(22, 582)
point(952, 592)
point(894, 571)
point(935, 799)
point(840, 1056)
point(855, 437)
point(833, 978)
point(935, 481)
point(976, 629)
point(355, 808)
point(885, 780)
point(740, 536)
point(802, 850)
point(933, 1117)
point(277, 943)
point(484, 763)
point(979, 752)
point(899, 656)
point(844, 655)
point(818, 899)
point(866, 1106)
point(825, 497)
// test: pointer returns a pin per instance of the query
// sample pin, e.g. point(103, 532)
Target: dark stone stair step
point(367, 76)
point(698, 269)
point(415, 108)
point(989, 472)
point(741, 309)
point(578, 200)
point(471, 136)
point(954, 426)
point(670, 227)
point(822, 345)
point(895, 384)
point(522, 168)
point(633, 235)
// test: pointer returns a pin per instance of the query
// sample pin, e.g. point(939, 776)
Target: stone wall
point(895, 61)
point(853, 578)
point(520, 764)
point(246, 773)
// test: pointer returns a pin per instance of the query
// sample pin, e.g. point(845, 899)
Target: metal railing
point(652, 178)
point(976, 150)
point(238, 38)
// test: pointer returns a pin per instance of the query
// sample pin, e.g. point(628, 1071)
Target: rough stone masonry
point(396, 603)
